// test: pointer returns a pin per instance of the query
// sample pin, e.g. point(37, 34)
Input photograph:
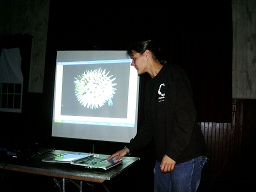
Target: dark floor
point(239, 184)
point(13, 182)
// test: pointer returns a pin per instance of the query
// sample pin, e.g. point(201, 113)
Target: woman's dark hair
point(153, 46)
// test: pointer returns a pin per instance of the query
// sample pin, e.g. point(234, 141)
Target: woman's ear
point(147, 52)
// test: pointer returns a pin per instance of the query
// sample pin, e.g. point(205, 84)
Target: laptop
point(66, 157)
point(96, 162)
point(86, 160)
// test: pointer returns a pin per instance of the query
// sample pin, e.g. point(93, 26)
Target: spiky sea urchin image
point(94, 88)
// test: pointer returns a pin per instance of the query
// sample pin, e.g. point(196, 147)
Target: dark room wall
point(198, 39)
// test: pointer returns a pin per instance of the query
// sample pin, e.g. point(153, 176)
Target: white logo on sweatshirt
point(160, 93)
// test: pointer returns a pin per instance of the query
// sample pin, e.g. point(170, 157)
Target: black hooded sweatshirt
point(170, 118)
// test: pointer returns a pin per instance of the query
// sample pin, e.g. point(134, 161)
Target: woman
point(170, 121)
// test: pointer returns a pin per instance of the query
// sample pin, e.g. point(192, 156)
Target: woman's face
point(139, 61)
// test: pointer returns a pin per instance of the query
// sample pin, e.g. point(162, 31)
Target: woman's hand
point(167, 164)
point(118, 155)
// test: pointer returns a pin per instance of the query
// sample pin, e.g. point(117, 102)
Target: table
point(66, 171)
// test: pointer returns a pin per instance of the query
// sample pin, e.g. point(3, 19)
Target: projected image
point(94, 88)
point(96, 96)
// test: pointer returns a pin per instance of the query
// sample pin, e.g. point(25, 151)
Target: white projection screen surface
point(96, 96)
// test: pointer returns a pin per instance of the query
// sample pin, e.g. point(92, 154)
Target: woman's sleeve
point(184, 118)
